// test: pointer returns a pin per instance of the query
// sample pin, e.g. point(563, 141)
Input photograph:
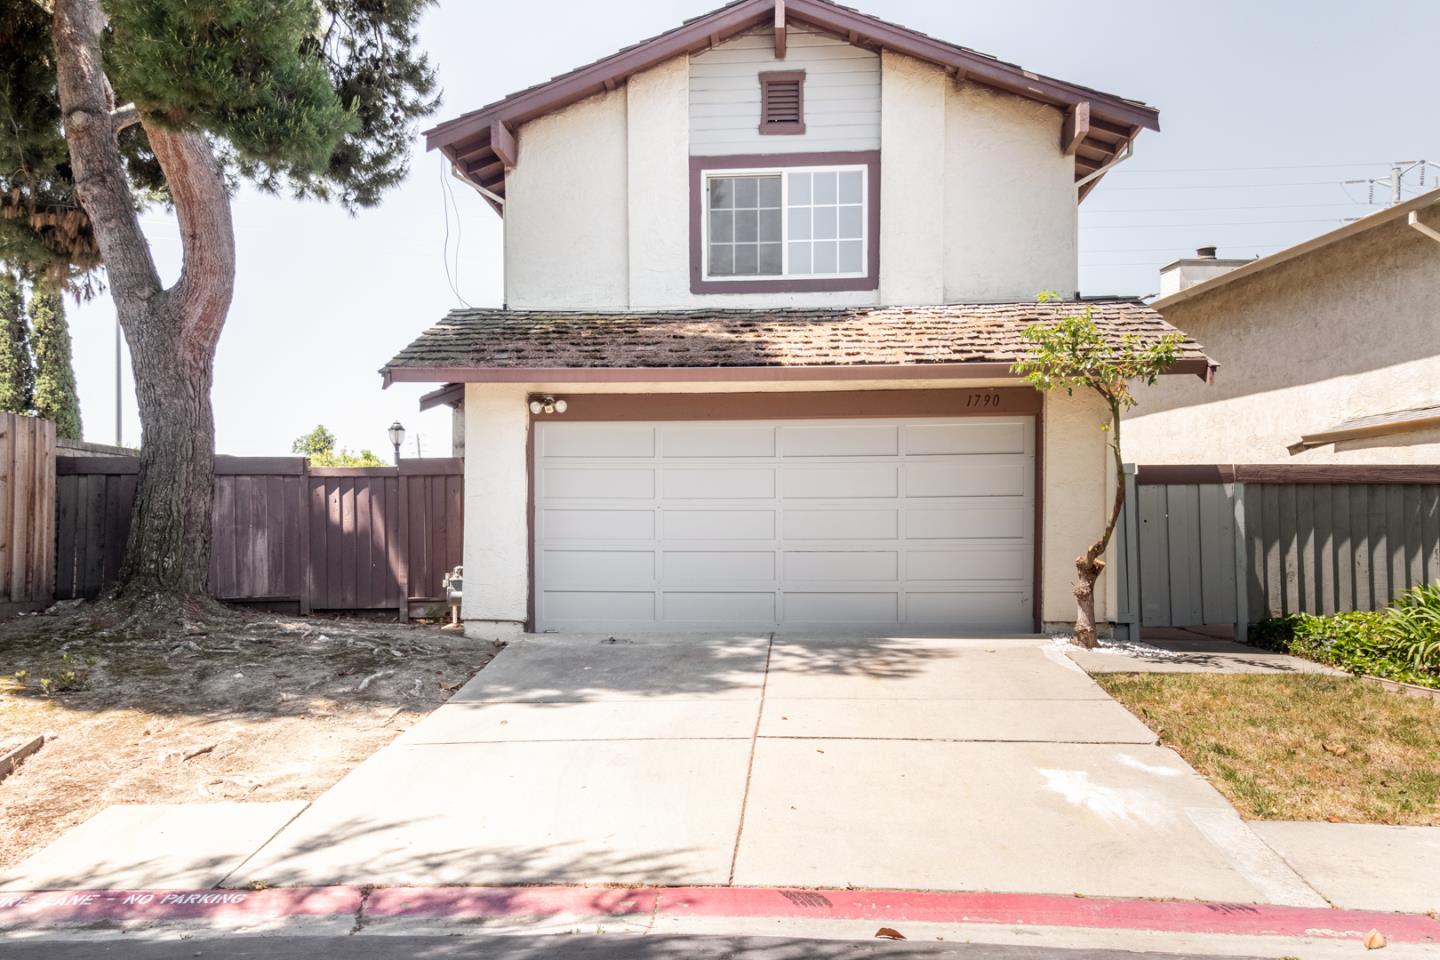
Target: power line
point(1232, 186)
point(1216, 223)
point(1290, 166)
point(1269, 206)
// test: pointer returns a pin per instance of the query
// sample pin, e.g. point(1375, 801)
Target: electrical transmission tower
point(1395, 181)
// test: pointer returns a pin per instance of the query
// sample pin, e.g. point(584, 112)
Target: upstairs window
point(808, 222)
point(782, 101)
point(785, 222)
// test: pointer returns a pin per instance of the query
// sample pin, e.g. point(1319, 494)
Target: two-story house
point(765, 278)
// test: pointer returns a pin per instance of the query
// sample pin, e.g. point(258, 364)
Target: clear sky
point(1266, 106)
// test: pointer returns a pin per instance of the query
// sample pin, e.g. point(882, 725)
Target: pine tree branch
point(122, 117)
point(207, 235)
point(100, 178)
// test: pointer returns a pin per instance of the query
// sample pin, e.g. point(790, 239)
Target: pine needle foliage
point(56, 397)
point(316, 98)
point(17, 372)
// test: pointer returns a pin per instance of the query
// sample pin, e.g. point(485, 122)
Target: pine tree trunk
point(172, 331)
point(168, 552)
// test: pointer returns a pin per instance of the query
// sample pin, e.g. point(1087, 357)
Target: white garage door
point(905, 525)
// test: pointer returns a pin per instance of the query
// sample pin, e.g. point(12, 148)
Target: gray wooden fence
point(1209, 545)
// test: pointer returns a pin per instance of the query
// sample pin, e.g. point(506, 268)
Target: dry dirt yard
point(248, 707)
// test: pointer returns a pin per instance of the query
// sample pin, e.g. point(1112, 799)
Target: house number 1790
point(983, 400)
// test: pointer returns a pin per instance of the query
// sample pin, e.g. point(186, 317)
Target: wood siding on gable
point(842, 94)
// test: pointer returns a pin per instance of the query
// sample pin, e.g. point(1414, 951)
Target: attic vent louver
point(782, 101)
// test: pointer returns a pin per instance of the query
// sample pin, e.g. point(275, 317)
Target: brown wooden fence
point(325, 538)
point(27, 514)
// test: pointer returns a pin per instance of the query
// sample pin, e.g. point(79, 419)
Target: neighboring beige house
point(765, 278)
point(1329, 351)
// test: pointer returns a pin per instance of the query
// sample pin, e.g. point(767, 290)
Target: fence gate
point(1237, 544)
point(27, 512)
point(325, 538)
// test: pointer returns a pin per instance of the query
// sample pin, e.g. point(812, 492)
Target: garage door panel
point(1007, 609)
point(966, 438)
point(597, 483)
point(836, 565)
point(840, 440)
point(698, 567)
point(717, 524)
point(597, 568)
point(852, 481)
point(587, 606)
point(717, 441)
point(965, 479)
point(842, 607)
point(597, 440)
point(975, 564)
point(969, 523)
point(718, 483)
point(719, 607)
point(835, 524)
point(596, 524)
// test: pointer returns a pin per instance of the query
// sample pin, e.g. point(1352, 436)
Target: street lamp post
point(397, 437)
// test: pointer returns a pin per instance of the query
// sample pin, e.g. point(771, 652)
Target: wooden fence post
point(306, 572)
point(403, 529)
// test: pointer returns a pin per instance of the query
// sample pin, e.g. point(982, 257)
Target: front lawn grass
point(1302, 747)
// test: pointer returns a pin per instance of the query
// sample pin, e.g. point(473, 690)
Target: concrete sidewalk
point(959, 764)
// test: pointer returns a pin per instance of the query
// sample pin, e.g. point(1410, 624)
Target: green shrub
point(1401, 642)
point(1413, 626)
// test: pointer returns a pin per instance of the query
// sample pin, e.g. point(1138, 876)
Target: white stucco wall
point(497, 518)
point(912, 180)
point(1346, 331)
point(1009, 199)
point(977, 202)
point(497, 579)
point(658, 143)
point(566, 209)
point(1078, 485)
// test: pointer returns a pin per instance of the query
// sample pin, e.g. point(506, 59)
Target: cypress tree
point(17, 372)
point(55, 395)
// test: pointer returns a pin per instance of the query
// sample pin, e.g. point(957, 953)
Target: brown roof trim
point(452, 394)
point(1381, 425)
point(467, 139)
point(1196, 366)
point(1286, 473)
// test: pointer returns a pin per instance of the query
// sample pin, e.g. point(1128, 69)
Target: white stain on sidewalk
point(1135, 763)
point(1114, 804)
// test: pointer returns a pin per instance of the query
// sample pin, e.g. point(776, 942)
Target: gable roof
point(1252, 267)
point(480, 144)
point(957, 340)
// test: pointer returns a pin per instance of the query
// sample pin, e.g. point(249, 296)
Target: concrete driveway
point(962, 764)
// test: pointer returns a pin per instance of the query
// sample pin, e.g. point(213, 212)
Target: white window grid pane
point(844, 250)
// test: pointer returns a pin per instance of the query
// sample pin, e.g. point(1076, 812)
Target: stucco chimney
point(1180, 274)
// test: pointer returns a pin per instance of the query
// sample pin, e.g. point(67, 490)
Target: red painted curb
point(98, 906)
point(887, 906)
point(1013, 909)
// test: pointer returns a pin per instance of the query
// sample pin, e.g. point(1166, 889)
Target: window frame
point(702, 169)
